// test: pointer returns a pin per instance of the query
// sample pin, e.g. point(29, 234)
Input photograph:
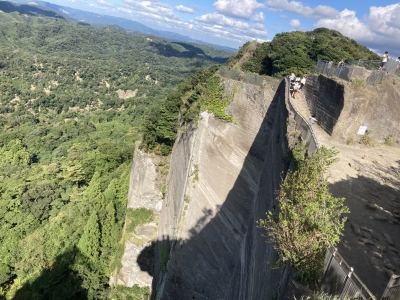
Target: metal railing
point(302, 125)
point(340, 280)
point(349, 71)
point(246, 77)
point(392, 291)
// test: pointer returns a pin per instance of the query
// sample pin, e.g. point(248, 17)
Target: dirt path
point(369, 179)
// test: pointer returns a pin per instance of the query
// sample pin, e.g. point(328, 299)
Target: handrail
point(303, 119)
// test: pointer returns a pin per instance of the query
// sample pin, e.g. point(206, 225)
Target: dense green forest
point(299, 52)
point(68, 131)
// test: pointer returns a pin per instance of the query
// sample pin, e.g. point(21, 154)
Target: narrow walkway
point(369, 179)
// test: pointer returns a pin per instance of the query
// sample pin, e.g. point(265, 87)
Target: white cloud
point(152, 7)
point(124, 10)
point(218, 19)
point(379, 30)
point(348, 24)
point(228, 28)
point(321, 11)
point(102, 2)
point(237, 8)
point(258, 17)
point(295, 23)
point(184, 9)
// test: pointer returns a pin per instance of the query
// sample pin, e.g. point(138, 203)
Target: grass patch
point(120, 292)
point(368, 140)
point(389, 140)
point(138, 217)
point(196, 172)
point(186, 198)
point(358, 83)
point(213, 102)
point(350, 141)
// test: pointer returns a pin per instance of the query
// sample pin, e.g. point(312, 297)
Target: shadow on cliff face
point(57, 283)
point(325, 99)
point(371, 241)
point(226, 257)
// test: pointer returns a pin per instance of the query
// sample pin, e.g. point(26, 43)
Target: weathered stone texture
point(222, 179)
point(375, 107)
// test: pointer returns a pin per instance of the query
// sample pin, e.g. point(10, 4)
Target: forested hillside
point(72, 99)
point(299, 52)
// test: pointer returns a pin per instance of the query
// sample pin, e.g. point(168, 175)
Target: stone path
point(369, 179)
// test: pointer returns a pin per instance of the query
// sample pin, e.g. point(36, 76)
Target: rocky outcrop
point(222, 179)
point(341, 108)
point(144, 192)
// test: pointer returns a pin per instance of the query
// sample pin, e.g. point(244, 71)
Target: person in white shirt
point(296, 87)
point(312, 120)
point(292, 77)
point(384, 60)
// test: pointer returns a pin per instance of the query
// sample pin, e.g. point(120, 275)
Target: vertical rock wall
point(144, 192)
point(341, 108)
point(325, 98)
point(223, 178)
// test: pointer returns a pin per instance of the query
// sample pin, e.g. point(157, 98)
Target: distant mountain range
point(72, 14)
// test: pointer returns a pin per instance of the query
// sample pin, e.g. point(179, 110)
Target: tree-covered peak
point(298, 52)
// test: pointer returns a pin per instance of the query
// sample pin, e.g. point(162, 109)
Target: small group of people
point(296, 84)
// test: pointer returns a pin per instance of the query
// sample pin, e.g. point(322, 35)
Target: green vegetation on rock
point(213, 102)
point(308, 218)
point(160, 125)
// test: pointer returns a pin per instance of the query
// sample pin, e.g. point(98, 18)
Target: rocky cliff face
point(222, 179)
point(341, 109)
point(144, 192)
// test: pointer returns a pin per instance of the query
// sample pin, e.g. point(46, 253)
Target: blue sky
point(375, 24)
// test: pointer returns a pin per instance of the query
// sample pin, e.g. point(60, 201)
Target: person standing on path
point(384, 60)
point(312, 120)
point(302, 84)
point(339, 67)
point(329, 66)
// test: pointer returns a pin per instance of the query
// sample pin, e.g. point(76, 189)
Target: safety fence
point(340, 280)
point(349, 71)
point(303, 126)
point(246, 77)
point(392, 291)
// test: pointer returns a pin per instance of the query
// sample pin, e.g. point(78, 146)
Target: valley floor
point(369, 179)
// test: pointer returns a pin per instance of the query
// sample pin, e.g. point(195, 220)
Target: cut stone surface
point(388, 239)
point(356, 229)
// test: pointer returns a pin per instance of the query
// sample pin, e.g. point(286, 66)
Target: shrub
point(350, 141)
point(389, 140)
point(308, 218)
point(368, 140)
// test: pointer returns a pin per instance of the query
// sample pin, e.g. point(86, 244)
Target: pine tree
point(93, 191)
point(89, 242)
point(107, 229)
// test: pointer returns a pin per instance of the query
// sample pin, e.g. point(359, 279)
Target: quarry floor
point(369, 179)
